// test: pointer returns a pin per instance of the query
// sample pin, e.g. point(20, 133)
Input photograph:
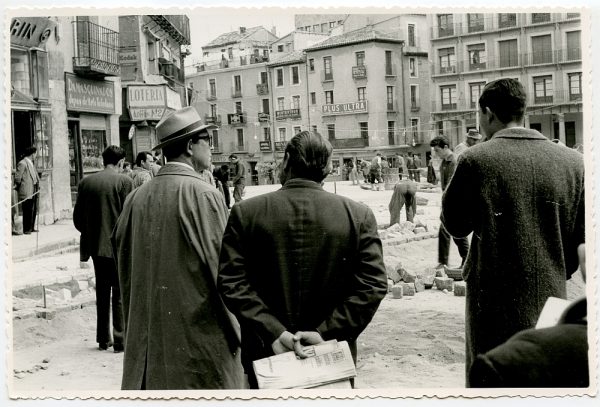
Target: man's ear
point(490, 115)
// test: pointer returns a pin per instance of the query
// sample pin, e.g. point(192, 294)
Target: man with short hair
point(473, 137)
point(417, 167)
point(238, 177)
point(522, 197)
point(142, 171)
point(100, 199)
point(410, 165)
point(441, 148)
point(301, 265)
point(375, 171)
point(179, 334)
point(27, 182)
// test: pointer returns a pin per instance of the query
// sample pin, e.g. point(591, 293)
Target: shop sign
point(287, 114)
point(280, 146)
point(86, 95)
point(345, 108)
point(151, 102)
point(30, 32)
point(265, 145)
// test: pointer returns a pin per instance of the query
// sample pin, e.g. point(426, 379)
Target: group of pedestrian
point(205, 292)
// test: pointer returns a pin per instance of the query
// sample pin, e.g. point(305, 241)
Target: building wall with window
point(319, 23)
point(238, 100)
point(65, 86)
point(541, 50)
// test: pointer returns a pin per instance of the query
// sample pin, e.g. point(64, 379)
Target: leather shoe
point(118, 348)
point(27, 233)
point(16, 233)
point(104, 345)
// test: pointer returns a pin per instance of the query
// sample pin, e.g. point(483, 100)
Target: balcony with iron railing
point(287, 114)
point(96, 50)
point(264, 117)
point(237, 119)
point(213, 119)
point(230, 63)
point(280, 146)
point(497, 22)
point(359, 72)
point(171, 71)
point(262, 88)
point(178, 26)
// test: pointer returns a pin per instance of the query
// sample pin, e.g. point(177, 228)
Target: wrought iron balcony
point(264, 117)
point(171, 71)
point(96, 50)
point(262, 88)
point(236, 119)
point(280, 146)
point(287, 114)
point(212, 119)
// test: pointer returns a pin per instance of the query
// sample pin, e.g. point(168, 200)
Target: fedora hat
point(179, 125)
point(474, 134)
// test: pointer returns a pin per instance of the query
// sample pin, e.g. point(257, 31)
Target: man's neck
point(112, 167)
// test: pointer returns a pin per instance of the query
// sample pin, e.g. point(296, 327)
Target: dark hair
point(126, 164)
point(29, 150)
point(308, 155)
point(232, 156)
point(506, 98)
point(142, 156)
point(112, 155)
point(179, 147)
point(440, 141)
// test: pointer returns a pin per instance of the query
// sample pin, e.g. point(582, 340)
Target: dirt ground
point(413, 342)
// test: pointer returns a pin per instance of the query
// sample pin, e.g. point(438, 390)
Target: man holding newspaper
point(300, 266)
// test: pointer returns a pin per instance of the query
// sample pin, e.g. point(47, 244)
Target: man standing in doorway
point(238, 177)
point(100, 199)
point(441, 147)
point(28, 184)
point(473, 137)
point(522, 197)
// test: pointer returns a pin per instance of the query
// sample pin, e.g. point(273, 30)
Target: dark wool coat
point(100, 199)
point(548, 357)
point(167, 241)
point(300, 258)
point(522, 196)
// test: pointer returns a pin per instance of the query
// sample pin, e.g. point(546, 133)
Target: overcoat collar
point(519, 133)
point(301, 183)
point(174, 169)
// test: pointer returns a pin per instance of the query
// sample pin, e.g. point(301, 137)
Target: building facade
point(152, 54)
point(65, 100)
point(541, 50)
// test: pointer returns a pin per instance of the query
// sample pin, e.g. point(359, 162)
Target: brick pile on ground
point(406, 231)
point(407, 283)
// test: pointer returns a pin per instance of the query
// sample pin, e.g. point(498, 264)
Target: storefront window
point(93, 143)
point(19, 71)
point(43, 132)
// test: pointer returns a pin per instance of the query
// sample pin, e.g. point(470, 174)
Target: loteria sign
point(345, 108)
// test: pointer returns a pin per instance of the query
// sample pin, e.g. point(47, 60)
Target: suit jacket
point(303, 259)
point(550, 357)
point(522, 196)
point(178, 333)
point(26, 179)
point(100, 199)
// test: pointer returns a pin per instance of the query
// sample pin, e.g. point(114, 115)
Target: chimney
point(274, 31)
point(242, 30)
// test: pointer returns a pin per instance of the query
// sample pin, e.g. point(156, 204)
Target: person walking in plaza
point(311, 270)
point(522, 197)
point(100, 199)
point(375, 172)
point(473, 137)
point(179, 334)
point(27, 183)
point(353, 172)
point(410, 166)
point(365, 167)
point(405, 193)
point(238, 177)
point(441, 147)
point(417, 167)
point(142, 172)
point(431, 176)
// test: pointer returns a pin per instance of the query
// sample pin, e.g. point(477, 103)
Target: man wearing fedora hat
point(473, 137)
point(179, 335)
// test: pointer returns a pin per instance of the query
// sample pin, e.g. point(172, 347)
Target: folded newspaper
point(329, 362)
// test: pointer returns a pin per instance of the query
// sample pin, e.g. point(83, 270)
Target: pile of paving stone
point(44, 301)
point(406, 231)
point(406, 283)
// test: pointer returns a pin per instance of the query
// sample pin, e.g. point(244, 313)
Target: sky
point(206, 25)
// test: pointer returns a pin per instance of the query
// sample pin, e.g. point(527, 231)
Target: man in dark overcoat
point(301, 265)
point(178, 334)
point(522, 196)
point(100, 199)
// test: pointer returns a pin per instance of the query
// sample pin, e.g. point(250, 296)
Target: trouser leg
point(443, 245)
point(27, 207)
point(396, 204)
point(117, 306)
point(103, 286)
